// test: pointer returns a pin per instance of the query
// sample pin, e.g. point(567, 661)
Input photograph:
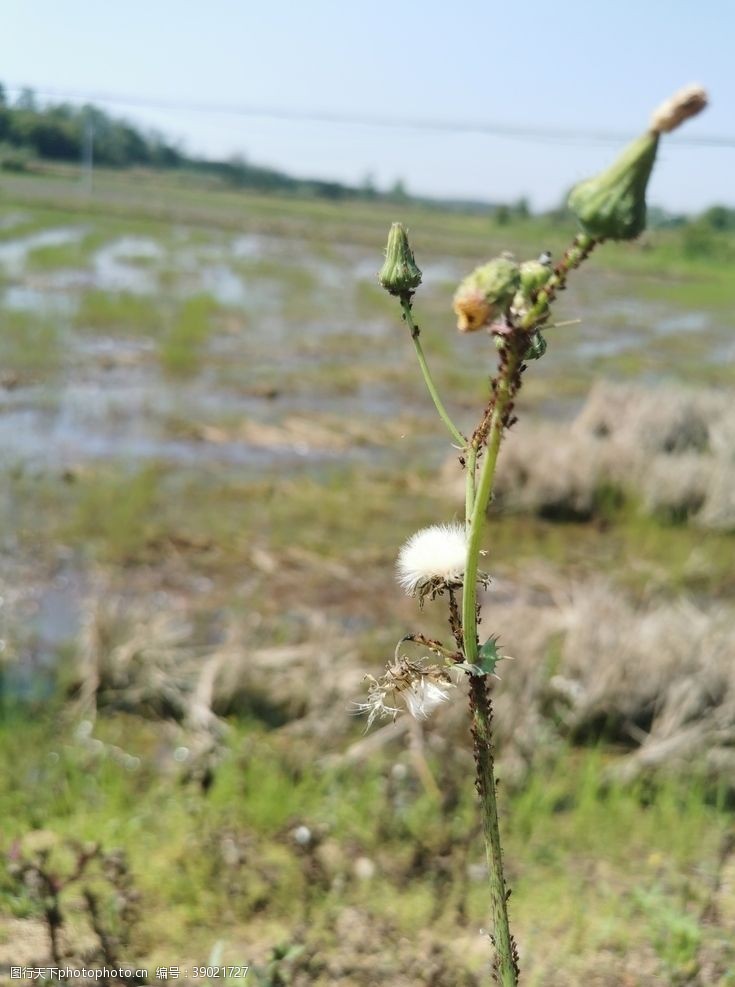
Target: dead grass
point(652, 676)
point(670, 451)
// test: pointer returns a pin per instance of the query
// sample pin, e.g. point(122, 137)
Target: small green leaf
point(489, 656)
point(468, 667)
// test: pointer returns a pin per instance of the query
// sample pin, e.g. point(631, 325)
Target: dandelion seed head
point(434, 554)
point(420, 687)
point(423, 697)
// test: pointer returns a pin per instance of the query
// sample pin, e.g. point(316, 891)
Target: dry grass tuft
point(656, 678)
point(671, 450)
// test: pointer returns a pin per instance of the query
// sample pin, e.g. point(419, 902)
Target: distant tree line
point(30, 130)
point(58, 132)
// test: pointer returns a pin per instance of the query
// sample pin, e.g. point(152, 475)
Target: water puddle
point(126, 413)
point(113, 401)
point(683, 322)
point(114, 267)
point(14, 253)
point(224, 285)
point(29, 298)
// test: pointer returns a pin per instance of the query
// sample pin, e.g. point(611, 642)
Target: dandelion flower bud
point(432, 557)
point(612, 205)
point(399, 274)
point(486, 293)
point(685, 103)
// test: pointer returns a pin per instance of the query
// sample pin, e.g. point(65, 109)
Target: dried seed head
point(399, 274)
point(423, 696)
point(421, 687)
point(685, 103)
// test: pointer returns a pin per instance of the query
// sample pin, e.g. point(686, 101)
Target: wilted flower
point(420, 687)
point(685, 103)
point(432, 558)
point(486, 293)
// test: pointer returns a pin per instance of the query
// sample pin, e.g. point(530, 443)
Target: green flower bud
point(399, 274)
point(534, 275)
point(612, 206)
point(486, 293)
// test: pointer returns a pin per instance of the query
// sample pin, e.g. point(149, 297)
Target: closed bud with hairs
point(534, 275)
point(612, 205)
point(399, 274)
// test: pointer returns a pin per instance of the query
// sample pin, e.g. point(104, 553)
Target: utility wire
point(538, 134)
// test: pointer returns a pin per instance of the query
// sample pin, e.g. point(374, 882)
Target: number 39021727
point(220, 972)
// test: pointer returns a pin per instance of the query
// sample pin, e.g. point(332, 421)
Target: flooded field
point(213, 438)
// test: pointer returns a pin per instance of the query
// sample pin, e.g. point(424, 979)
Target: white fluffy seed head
point(435, 553)
point(423, 696)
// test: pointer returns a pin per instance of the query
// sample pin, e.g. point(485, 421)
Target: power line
point(538, 134)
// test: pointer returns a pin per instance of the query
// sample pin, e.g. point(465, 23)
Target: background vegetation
point(213, 440)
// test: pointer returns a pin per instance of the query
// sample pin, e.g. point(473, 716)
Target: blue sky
point(586, 66)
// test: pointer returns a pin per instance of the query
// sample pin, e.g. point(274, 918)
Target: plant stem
point(476, 502)
point(471, 467)
point(480, 707)
point(431, 387)
point(506, 963)
point(481, 499)
point(579, 250)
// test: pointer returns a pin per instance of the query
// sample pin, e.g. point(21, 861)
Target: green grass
point(110, 513)
point(58, 255)
point(121, 514)
point(182, 345)
point(30, 346)
point(121, 312)
point(561, 827)
point(599, 872)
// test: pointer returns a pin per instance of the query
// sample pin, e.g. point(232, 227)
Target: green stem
point(479, 507)
point(506, 963)
point(471, 467)
point(580, 249)
point(480, 707)
point(431, 387)
point(476, 503)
